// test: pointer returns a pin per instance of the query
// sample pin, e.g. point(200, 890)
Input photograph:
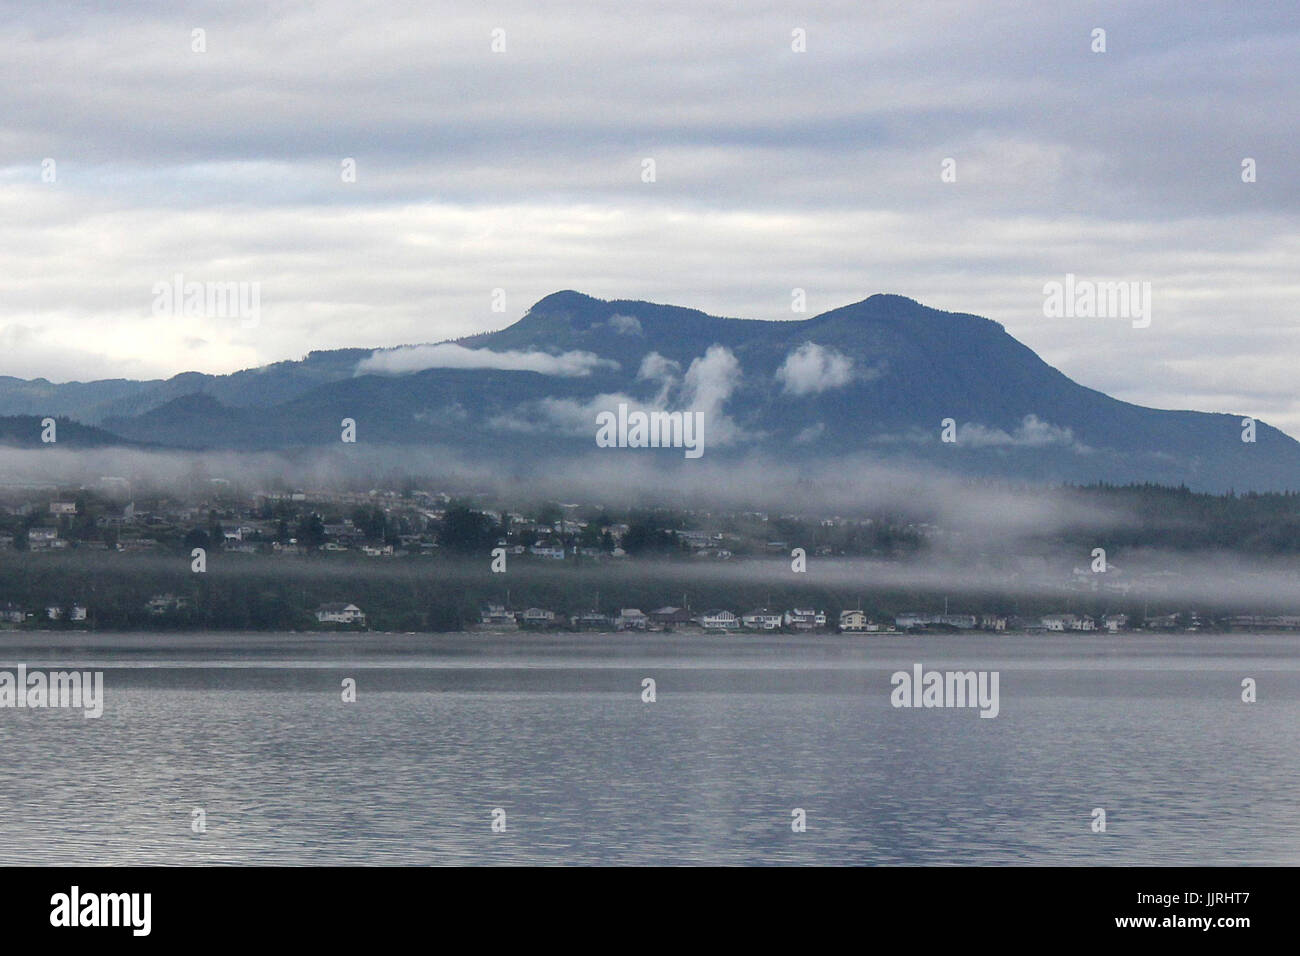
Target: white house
point(339, 613)
point(1068, 622)
point(761, 619)
point(496, 615)
point(805, 619)
point(719, 620)
point(631, 619)
point(55, 613)
point(853, 622)
point(538, 617)
point(39, 539)
point(162, 603)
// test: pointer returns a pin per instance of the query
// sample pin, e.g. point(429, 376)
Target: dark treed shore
point(104, 557)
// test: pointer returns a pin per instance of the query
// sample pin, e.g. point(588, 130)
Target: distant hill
point(25, 431)
point(875, 379)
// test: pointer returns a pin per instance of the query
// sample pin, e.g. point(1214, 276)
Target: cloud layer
point(775, 170)
point(416, 358)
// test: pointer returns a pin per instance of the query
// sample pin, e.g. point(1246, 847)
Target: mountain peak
point(564, 299)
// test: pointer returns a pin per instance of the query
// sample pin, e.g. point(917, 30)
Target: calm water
point(252, 729)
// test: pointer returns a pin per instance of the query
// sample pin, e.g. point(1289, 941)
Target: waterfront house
point(718, 620)
point(537, 617)
point(162, 603)
point(761, 619)
point(340, 613)
point(853, 622)
point(1068, 622)
point(631, 619)
point(911, 621)
point(665, 618)
point(805, 619)
point(592, 621)
point(552, 551)
point(55, 613)
point(497, 616)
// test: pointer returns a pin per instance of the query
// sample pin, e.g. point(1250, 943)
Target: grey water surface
point(253, 730)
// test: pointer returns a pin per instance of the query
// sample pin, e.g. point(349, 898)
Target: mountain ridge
point(872, 378)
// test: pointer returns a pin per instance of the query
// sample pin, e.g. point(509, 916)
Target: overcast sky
point(774, 170)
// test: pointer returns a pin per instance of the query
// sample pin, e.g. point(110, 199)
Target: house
point(1163, 622)
point(700, 540)
point(9, 614)
point(718, 620)
point(497, 616)
point(137, 544)
point(666, 618)
point(63, 507)
point(115, 517)
point(339, 613)
point(55, 613)
point(631, 619)
point(761, 619)
point(1114, 623)
point(993, 622)
point(42, 538)
point(537, 617)
point(1068, 622)
point(962, 622)
point(1060, 622)
point(592, 621)
point(805, 619)
point(163, 603)
point(554, 552)
point(853, 622)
